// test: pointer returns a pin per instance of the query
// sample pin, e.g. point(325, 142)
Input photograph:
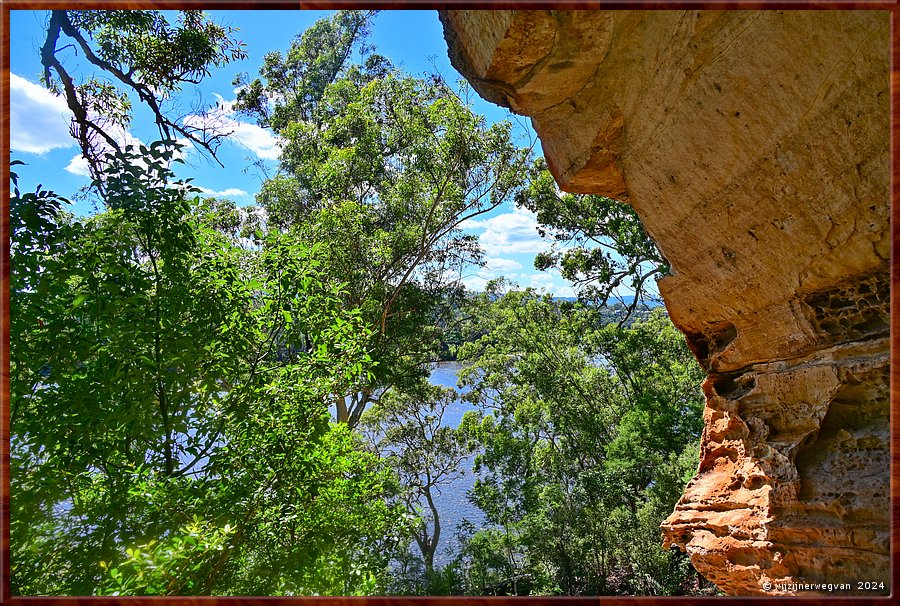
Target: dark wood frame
point(893, 6)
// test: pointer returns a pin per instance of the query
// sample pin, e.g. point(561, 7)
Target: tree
point(604, 243)
point(386, 167)
point(169, 392)
point(408, 430)
point(141, 51)
point(300, 78)
point(588, 433)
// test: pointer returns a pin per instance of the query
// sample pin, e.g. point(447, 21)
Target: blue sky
point(411, 39)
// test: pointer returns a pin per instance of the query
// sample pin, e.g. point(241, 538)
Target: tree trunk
point(342, 414)
point(429, 545)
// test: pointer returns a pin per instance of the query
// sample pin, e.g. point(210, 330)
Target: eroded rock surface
point(755, 147)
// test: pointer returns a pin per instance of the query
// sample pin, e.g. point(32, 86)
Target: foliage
point(386, 168)
point(300, 77)
point(141, 51)
point(409, 431)
point(171, 566)
point(160, 372)
point(604, 245)
point(588, 431)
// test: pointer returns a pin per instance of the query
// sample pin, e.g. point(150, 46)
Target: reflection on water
point(452, 503)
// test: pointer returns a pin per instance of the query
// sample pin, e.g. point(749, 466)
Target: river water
point(452, 503)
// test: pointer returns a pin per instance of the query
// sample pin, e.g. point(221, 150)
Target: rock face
point(755, 147)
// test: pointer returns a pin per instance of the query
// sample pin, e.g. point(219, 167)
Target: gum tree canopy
point(385, 168)
point(170, 433)
point(148, 56)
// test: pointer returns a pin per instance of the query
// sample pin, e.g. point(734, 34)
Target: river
point(451, 502)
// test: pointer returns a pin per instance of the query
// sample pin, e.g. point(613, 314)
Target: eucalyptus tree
point(410, 432)
point(170, 384)
point(602, 245)
point(386, 167)
point(588, 433)
point(169, 424)
point(133, 52)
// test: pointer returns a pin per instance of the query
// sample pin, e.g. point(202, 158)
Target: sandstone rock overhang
point(754, 145)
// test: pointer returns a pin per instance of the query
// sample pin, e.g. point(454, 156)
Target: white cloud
point(230, 192)
point(495, 268)
point(474, 283)
point(223, 105)
point(258, 140)
point(78, 166)
point(550, 282)
point(39, 120)
point(509, 233)
point(219, 120)
point(500, 265)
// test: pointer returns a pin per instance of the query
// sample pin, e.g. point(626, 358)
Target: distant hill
point(626, 300)
point(613, 301)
